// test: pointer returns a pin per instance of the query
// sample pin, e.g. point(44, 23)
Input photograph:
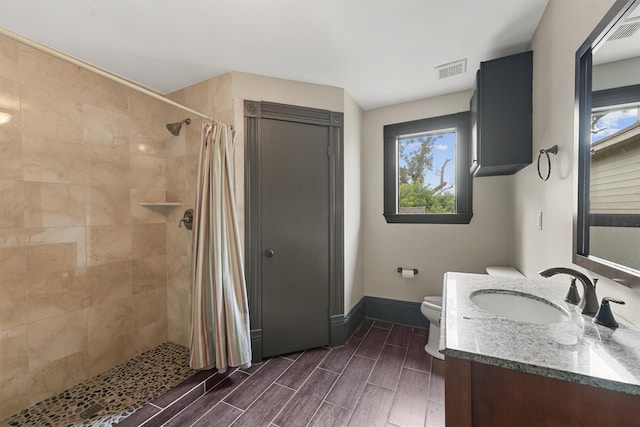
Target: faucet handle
point(572, 295)
point(604, 316)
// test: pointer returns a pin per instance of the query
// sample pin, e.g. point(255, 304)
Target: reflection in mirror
point(614, 187)
point(608, 86)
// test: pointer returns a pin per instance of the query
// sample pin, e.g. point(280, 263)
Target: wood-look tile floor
point(382, 377)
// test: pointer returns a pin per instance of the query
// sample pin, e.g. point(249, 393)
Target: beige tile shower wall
point(213, 98)
point(82, 266)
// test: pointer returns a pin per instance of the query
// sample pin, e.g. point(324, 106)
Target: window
point(426, 171)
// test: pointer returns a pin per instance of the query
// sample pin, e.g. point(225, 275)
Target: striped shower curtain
point(220, 317)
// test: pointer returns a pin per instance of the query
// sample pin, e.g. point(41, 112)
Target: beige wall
point(431, 248)
point(563, 28)
point(82, 265)
point(213, 98)
point(353, 228)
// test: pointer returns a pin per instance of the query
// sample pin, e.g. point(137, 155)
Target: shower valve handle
point(269, 253)
point(187, 219)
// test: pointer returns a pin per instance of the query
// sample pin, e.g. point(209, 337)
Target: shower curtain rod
point(100, 72)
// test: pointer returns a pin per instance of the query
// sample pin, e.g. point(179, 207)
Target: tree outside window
point(426, 171)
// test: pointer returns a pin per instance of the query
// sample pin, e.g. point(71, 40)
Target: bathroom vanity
point(540, 371)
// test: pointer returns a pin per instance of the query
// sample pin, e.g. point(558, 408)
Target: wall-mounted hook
point(553, 150)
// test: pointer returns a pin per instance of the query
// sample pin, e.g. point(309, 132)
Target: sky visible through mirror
point(613, 122)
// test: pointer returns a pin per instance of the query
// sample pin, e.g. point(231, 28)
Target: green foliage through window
point(426, 173)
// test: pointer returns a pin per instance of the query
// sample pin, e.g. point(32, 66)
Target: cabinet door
point(504, 115)
point(482, 395)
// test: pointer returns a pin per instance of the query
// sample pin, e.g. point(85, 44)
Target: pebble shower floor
point(109, 397)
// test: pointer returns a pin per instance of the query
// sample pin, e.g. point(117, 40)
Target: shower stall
point(95, 177)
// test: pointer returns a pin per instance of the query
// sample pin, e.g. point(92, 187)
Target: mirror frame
point(583, 98)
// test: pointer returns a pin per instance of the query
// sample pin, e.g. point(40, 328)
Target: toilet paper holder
point(415, 270)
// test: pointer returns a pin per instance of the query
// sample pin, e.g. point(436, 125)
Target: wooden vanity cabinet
point(482, 395)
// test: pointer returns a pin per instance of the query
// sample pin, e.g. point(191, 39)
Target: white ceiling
point(382, 52)
point(615, 50)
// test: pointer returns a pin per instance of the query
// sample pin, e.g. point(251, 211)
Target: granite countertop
point(575, 350)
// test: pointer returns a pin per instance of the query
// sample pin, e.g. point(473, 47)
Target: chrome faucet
point(589, 303)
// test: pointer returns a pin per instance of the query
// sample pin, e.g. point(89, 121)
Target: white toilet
point(431, 308)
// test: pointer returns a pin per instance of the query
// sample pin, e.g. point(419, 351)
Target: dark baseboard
point(342, 327)
point(256, 345)
point(405, 312)
point(354, 318)
point(389, 310)
point(337, 334)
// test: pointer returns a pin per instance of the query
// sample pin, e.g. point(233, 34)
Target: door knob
point(269, 253)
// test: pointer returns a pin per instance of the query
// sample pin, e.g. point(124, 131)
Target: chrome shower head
point(174, 128)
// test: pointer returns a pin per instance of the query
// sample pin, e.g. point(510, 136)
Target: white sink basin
point(519, 306)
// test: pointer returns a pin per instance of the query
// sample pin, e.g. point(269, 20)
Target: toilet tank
point(504, 271)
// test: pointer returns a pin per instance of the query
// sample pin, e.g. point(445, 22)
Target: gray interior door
point(294, 213)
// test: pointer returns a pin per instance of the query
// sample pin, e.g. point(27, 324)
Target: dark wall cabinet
point(501, 116)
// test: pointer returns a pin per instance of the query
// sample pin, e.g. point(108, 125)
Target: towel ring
point(552, 150)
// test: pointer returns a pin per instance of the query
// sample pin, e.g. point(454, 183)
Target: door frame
point(254, 112)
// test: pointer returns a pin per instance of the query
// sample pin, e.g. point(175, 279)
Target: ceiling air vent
point(626, 30)
point(451, 69)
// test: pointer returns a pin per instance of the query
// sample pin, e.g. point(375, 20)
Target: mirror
point(607, 231)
